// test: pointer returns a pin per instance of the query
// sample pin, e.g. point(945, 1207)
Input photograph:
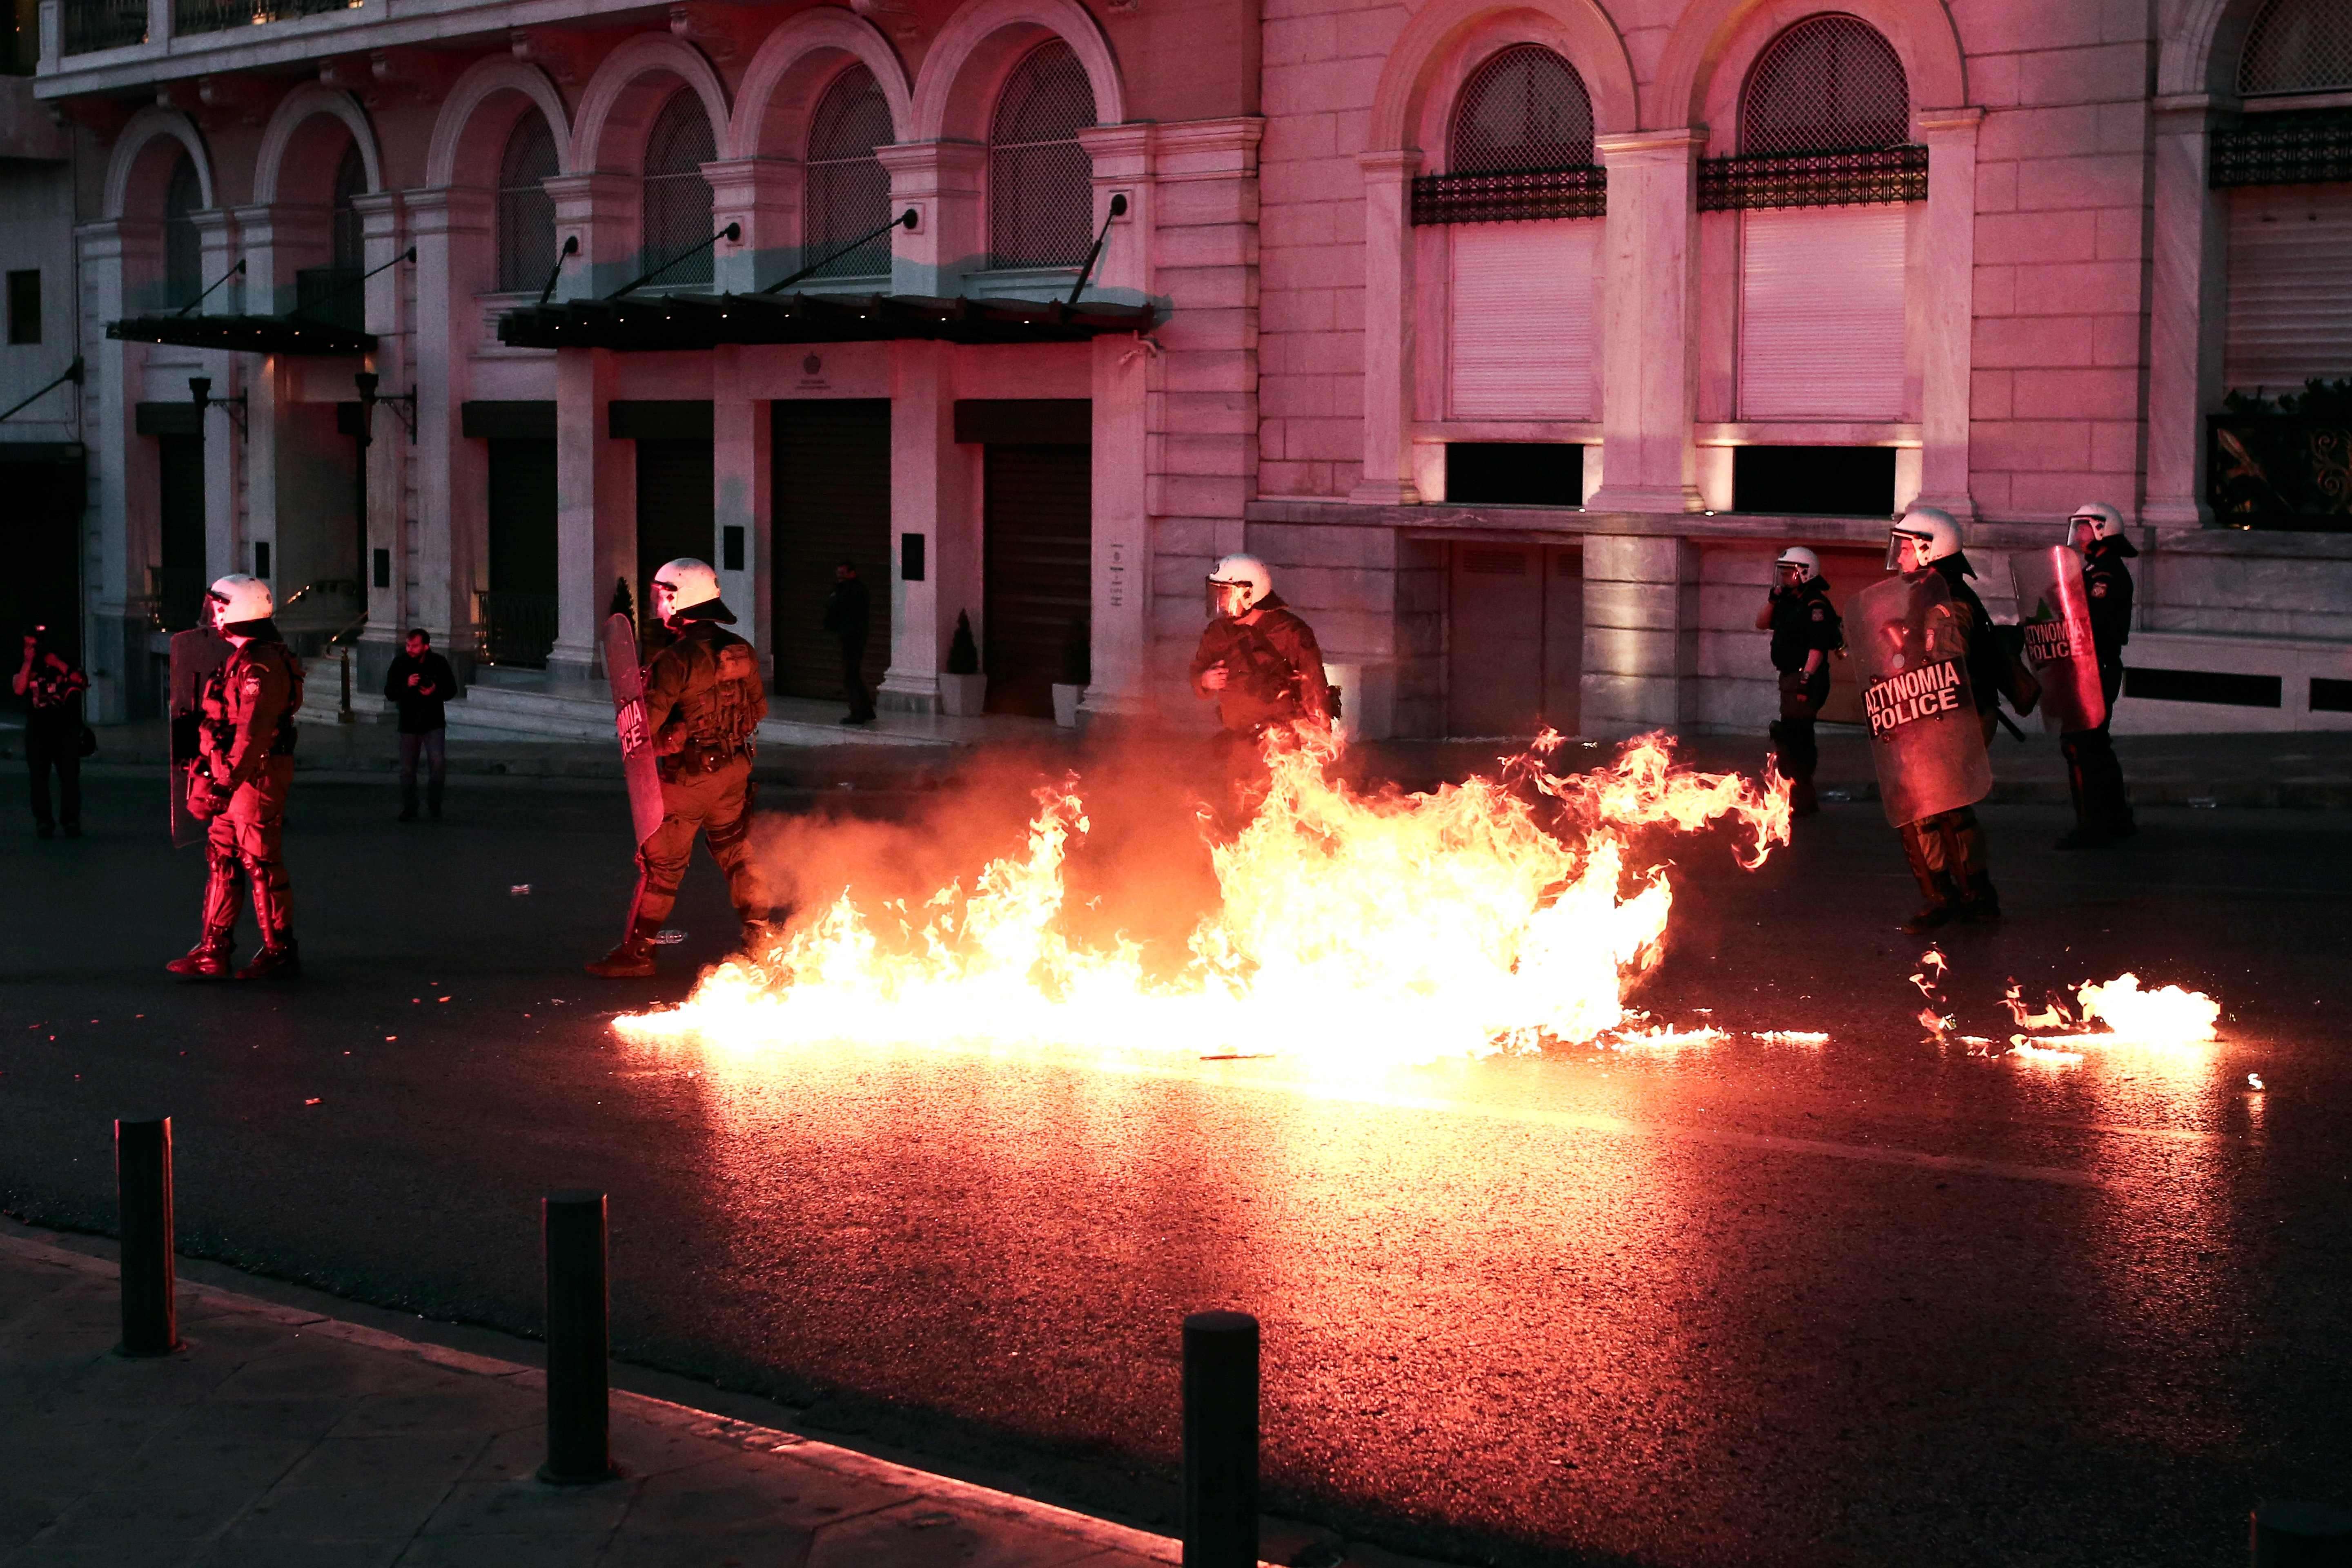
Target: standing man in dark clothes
point(2103, 812)
point(52, 690)
point(1804, 627)
point(1259, 662)
point(845, 617)
point(420, 684)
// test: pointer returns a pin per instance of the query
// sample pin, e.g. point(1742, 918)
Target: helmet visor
point(1898, 549)
point(1228, 599)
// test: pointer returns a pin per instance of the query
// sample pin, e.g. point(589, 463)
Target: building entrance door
point(180, 495)
point(831, 461)
point(518, 612)
point(1515, 641)
point(1038, 519)
point(675, 513)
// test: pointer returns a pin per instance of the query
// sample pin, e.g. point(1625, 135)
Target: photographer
point(52, 690)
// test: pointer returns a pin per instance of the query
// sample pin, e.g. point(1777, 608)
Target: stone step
point(577, 715)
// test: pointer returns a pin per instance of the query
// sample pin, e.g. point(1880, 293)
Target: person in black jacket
point(52, 687)
point(1805, 632)
point(420, 684)
point(845, 617)
point(1946, 850)
point(2103, 812)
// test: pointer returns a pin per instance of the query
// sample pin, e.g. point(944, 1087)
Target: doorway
point(1515, 641)
point(518, 612)
point(180, 513)
point(830, 462)
point(675, 513)
point(1037, 515)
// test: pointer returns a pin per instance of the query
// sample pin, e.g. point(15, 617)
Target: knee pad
point(730, 834)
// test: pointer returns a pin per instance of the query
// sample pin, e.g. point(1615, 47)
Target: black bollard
point(1220, 1441)
point(579, 1412)
point(2301, 1535)
point(143, 1198)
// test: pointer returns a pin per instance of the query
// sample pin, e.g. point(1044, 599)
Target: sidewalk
point(282, 1437)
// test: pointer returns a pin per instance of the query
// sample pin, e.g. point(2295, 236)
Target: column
point(1641, 632)
point(934, 492)
point(451, 227)
point(601, 212)
point(1120, 388)
point(1649, 349)
point(384, 231)
point(1389, 321)
point(763, 195)
point(739, 432)
point(231, 526)
point(940, 180)
point(595, 510)
point(2188, 308)
point(1947, 316)
point(122, 468)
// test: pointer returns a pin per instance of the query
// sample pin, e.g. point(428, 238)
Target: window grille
point(1040, 178)
point(184, 259)
point(677, 198)
point(848, 188)
point(2298, 45)
point(1523, 112)
point(1828, 84)
point(2302, 147)
point(526, 212)
point(350, 181)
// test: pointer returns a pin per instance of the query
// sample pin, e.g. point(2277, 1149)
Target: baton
point(2008, 725)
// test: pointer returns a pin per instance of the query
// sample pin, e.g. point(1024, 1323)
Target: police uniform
point(2103, 812)
point(244, 773)
point(704, 699)
point(1802, 620)
point(1274, 678)
point(1946, 850)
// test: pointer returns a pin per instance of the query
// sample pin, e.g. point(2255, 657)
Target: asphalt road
point(1745, 1302)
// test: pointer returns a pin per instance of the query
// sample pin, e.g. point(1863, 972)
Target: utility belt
point(697, 757)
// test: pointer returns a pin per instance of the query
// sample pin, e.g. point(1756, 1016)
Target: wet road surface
point(1747, 1301)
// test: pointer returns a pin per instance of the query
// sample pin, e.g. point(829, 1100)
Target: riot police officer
point(1805, 632)
point(1261, 665)
point(704, 699)
point(1946, 850)
point(238, 786)
point(2103, 812)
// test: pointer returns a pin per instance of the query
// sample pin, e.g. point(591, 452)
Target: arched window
point(1040, 178)
point(350, 181)
point(1829, 84)
point(526, 212)
point(2298, 45)
point(184, 259)
point(677, 198)
point(848, 188)
point(1523, 112)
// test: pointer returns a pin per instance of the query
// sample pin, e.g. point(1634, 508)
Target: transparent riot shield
point(2055, 613)
point(195, 656)
point(1925, 734)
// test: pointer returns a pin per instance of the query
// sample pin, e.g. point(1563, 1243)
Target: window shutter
point(1821, 313)
point(2290, 287)
point(1521, 333)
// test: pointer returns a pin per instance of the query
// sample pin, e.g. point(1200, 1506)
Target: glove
point(206, 800)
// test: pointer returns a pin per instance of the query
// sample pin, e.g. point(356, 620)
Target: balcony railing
point(220, 15)
point(2285, 464)
point(514, 628)
point(93, 25)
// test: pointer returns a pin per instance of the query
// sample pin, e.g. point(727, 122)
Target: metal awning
point(707, 320)
point(251, 334)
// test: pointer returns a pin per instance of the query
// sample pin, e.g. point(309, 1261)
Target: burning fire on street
point(1364, 930)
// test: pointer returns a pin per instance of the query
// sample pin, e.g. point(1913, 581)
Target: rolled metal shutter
point(1037, 512)
point(1521, 333)
point(1820, 312)
point(676, 512)
point(2290, 287)
point(832, 479)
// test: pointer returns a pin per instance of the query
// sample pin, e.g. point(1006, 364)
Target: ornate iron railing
point(1502, 198)
point(220, 15)
point(514, 628)
point(1758, 180)
point(2302, 147)
point(2282, 464)
point(94, 25)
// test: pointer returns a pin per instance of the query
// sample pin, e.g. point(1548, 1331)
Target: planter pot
point(963, 696)
point(1065, 705)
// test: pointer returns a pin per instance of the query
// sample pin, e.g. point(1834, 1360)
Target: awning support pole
point(904, 220)
point(733, 232)
point(234, 271)
point(73, 374)
point(1118, 210)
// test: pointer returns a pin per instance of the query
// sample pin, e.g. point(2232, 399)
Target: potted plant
point(1077, 670)
point(963, 690)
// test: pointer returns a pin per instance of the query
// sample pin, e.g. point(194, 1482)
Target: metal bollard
point(1220, 1441)
point(579, 1405)
point(2300, 1535)
point(142, 1199)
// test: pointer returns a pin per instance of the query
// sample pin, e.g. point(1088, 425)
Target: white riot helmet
point(238, 598)
point(1808, 564)
point(1238, 586)
point(687, 583)
point(1931, 524)
point(2103, 521)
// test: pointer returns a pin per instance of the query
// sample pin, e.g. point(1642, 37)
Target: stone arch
point(1708, 55)
point(2199, 53)
point(626, 92)
point(143, 158)
point(1446, 40)
point(793, 68)
point(480, 113)
point(956, 93)
point(290, 167)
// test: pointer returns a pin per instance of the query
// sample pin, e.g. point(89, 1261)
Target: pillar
point(934, 492)
point(1641, 632)
point(2188, 309)
point(940, 180)
point(595, 510)
point(1649, 348)
point(1389, 321)
point(763, 195)
point(452, 228)
point(739, 432)
point(1945, 318)
point(114, 256)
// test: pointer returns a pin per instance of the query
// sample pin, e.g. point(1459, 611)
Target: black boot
point(208, 960)
point(279, 960)
point(633, 960)
point(1924, 852)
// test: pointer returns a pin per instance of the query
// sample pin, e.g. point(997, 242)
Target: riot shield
point(196, 654)
point(1925, 734)
point(621, 668)
point(2054, 613)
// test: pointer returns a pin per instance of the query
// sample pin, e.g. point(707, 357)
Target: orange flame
point(1368, 930)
